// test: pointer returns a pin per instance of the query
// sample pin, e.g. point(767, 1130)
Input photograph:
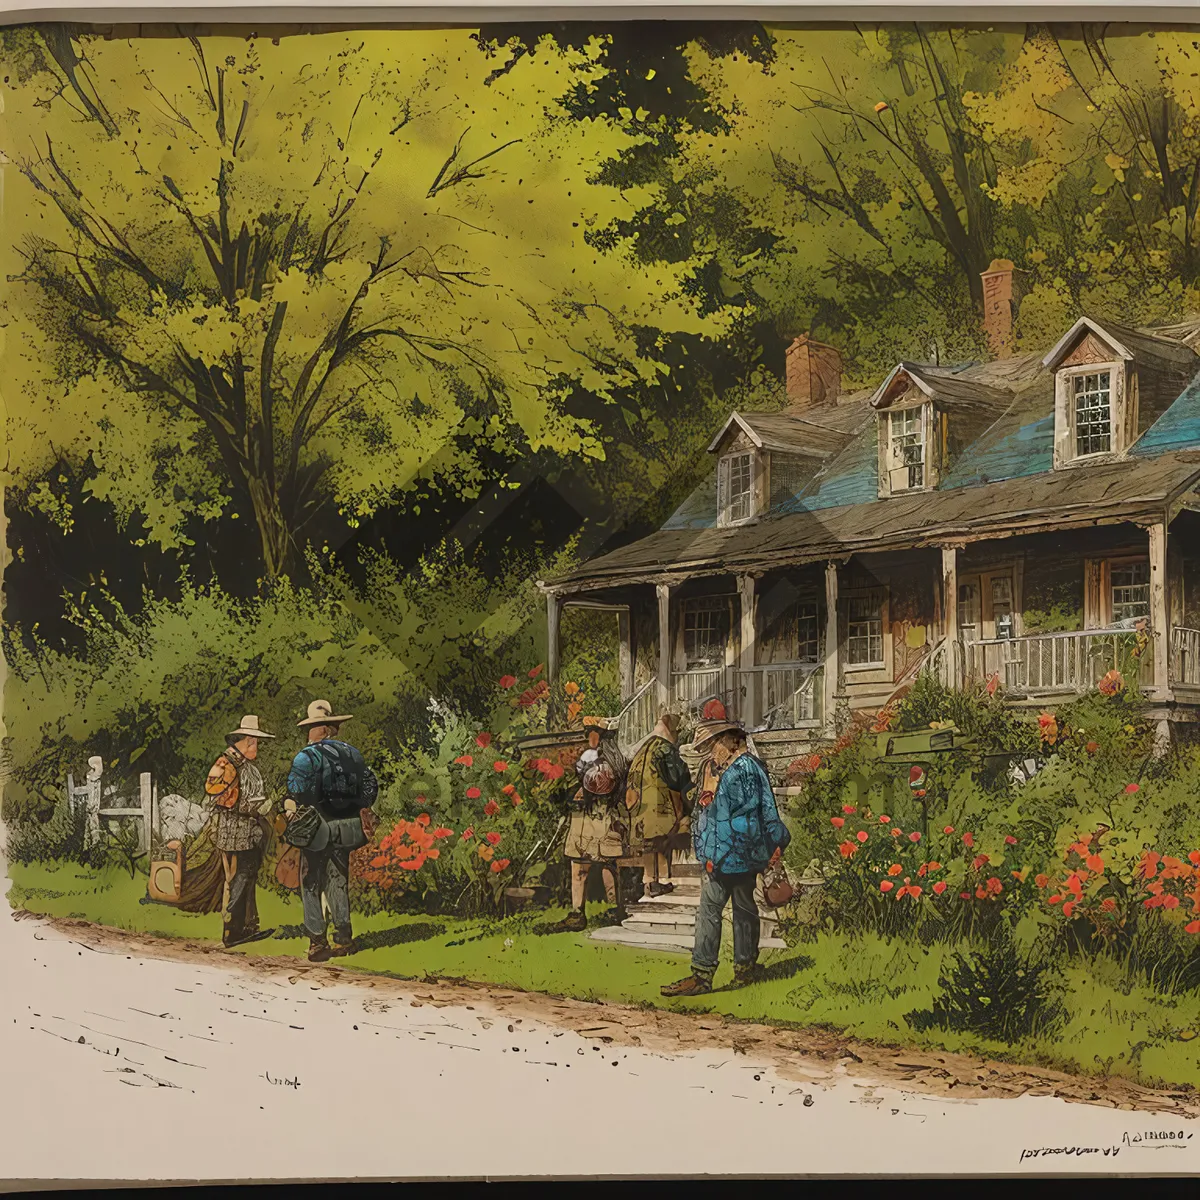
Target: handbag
point(302, 828)
point(777, 888)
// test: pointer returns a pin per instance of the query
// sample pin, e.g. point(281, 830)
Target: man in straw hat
point(736, 836)
point(332, 777)
point(236, 789)
point(656, 795)
point(594, 834)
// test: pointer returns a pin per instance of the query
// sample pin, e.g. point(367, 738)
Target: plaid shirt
point(235, 786)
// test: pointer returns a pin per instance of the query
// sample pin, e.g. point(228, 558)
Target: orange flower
point(968, 840)
point(1192, 927)
point(516, 800)
point(573, 710)
point(848, 849)
point(491, 808)
point(995, 886)
point(499, 865)
point(837, 822)
point(814, 761)
point(895, 869)
point(432, 853)
point(1069, 908)
point(571, 688)
point(886, 885)
point(939, 887)
point(948, 829)
point(980, 894)
point(1095, 863)
point(499, 766)
point(861, 835)
point(506, 681)
point(935, 866)
point(536, 671)
point(464, 760)
point(1092, 747)
point(486, 852)
point(554, 771)
point(493, 839)
point(914, 836)
point(884, 819)
point(509, 788)
point(1170, 902)
point(897, 832)
point(483, 740)
point(1109, 905)
point(1194, 857)
point(914, 891)
point(1130, 788)
point(423, 819)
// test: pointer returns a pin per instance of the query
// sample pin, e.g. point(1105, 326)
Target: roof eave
point(1052, 359)
point(734, 419)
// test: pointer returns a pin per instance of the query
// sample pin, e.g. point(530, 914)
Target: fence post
point(146, 796)
point(94, 786)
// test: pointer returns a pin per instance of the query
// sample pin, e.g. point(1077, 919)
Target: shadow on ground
point(420, 931)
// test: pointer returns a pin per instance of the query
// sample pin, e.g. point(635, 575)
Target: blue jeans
point(716, 890)
point(326, 871)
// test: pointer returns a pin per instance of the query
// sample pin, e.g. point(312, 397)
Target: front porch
point(791, 650)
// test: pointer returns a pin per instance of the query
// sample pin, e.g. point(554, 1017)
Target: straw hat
point(320, 712)
point(707, 730)
point(602, 725)
point(249, 728)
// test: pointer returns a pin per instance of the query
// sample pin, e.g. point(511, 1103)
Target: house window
point(864, 630)
point(1092, 397)
point(1130, 592)
point(1002, 607)
point(736, 487)
point(968, 611)
point(706, 624)
point(906, 449)
point(790, 635)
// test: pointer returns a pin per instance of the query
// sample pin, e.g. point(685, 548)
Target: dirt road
point(130, 1057)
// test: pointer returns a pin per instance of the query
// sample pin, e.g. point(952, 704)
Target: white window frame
point(725, 499)
point(1066, 415)
point(880, 595)
point(1124, 564)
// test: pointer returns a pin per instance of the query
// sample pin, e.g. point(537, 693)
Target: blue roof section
point(1028, 450)
point(1177, 429)
point(699, 510)
point(851, 478)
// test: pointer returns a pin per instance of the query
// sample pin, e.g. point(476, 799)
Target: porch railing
point(638, 717)
point(691, 690)
point(792, 694)
point(1185, 656)
point(1047, 663)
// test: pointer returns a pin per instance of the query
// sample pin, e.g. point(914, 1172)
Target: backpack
point(341, 771)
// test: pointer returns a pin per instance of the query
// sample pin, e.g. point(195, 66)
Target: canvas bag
point(341, 770)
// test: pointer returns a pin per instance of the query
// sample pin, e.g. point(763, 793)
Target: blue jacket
point(338, 827)
point(739, 831)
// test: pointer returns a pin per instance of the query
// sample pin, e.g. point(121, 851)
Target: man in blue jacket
point(331, 777)
point(737, 835)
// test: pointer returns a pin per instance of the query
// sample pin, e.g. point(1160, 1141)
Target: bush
point(995, 991)
point(63, 838)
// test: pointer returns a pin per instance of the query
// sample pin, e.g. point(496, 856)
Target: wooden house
point(1032, 521)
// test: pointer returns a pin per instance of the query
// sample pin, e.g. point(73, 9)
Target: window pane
point(1130, 592)
point(741, 487)
point(907, 448)
point(1093, 413)
point(705, 632)
point(864, 630)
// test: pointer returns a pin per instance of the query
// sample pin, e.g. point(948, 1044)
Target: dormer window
point(906, 449)
point(738, 487)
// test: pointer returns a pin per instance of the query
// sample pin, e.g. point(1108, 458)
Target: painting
point(567, 584)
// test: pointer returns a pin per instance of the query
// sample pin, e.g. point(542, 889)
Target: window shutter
point(722, 491)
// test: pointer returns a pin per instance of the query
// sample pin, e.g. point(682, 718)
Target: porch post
point(748, 684)
point(625, 653)
point(663, 591)
point(831, 644)
point(1160, 623)
point(950, 608)
point(553, 612)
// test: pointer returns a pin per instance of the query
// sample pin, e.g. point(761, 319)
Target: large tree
point(271, 277)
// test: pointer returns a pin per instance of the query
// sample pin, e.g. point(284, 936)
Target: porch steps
point(669, 922)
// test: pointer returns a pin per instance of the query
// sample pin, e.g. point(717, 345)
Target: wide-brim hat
point(710, 729)
point(320, 712)
point(602, 725)
point(249, 728)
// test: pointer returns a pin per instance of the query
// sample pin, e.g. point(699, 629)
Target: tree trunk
point(278, 545)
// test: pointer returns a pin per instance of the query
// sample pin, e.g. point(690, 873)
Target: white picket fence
point(103, 802)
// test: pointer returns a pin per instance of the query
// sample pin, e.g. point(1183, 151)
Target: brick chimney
point(814, 373)
point(1001, 298)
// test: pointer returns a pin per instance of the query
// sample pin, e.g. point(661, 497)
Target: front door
point(986, 613)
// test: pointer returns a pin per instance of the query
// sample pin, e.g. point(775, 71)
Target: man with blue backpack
point(329, 786)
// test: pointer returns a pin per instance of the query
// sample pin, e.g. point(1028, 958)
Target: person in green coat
point(657, 787)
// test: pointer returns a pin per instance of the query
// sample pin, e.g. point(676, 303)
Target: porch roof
point(1133, 489)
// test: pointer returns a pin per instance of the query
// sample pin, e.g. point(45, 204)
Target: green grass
point(862, 986)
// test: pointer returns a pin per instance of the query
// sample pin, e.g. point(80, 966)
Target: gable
point(1090, 349)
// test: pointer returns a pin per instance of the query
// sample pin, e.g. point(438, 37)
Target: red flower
point(848, 809)
point(442, 832)
point(1053, 899)
point(886, 885)
point(1130, 788)
point(1109, 905)
point(506, 681)
point(536, 671)
point(1069, 908)
point(948, 829)
point(493, 839)
point(473, 793)
point(499, 865)
point(861, 835)
point(968, 840)
point(423, 819)
point(884, 819)
point(1041, 880)
point(554, 771)
point(499, 766)
point(1170, 902)
point(848, 849)
point(980, 893)
point(509, 788)
point(516, 800)
point(896, 832)
point(1010, 840)
point(1095, 863)
point(1192, 927)
point(837, 822)
point(939, 887)
point(914, 836)
point(814, 761)
point(491, 808)
point(1194, 857)
point(981, 861)
point(464, 760)
point(895, 869)
point(914, 891)
point(483, 740)
point(964, 895)
point(531, 696)
point(466, 833)
point(935, 866)
point(995, 886)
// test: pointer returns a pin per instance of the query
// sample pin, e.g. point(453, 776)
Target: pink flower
point(861, 835)
point(837, 822)
point(914, 837)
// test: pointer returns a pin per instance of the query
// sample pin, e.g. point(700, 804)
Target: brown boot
point(693, 985)
point(319, 951)
point(340, 951)
point(573, 922)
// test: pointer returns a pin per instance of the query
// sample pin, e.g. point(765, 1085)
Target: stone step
point(671, 943)
point(651, 918)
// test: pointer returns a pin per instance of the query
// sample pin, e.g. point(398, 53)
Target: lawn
point(863, 986)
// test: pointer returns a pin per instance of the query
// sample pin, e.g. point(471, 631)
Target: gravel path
point(175, 1061)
